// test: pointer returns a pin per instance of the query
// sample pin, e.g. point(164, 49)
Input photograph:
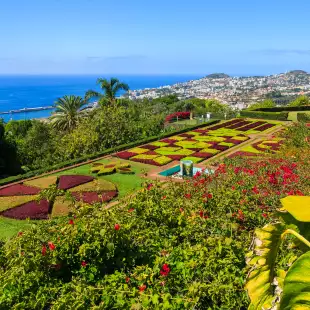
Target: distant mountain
point(217, 76)
point(297, 72)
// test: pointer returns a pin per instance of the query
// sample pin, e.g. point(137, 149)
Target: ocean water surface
point(18, 92)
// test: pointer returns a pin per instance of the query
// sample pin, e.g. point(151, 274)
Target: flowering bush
point(177, 115)
point(176, 246)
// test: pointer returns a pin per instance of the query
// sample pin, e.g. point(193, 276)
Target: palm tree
point(110, 89)
point(67, 112)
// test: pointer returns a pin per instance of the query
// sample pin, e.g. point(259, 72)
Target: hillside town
point(235, 91)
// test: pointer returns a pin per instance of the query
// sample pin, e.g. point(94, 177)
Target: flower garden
point(22, 201)
point(197, 145)
point(172, 245)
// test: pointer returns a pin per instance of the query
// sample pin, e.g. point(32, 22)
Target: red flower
point(210, 196)
point(299, 193)
point(142, 287)
point(117, 226)
point(255, 190)
point(181, 210)
point(20, 233)
point(149, 186)
point(265, 215)
point(83, 263)
point(165, 270)
point(127, 279)
point(244, 191)
point(71, 222)
point(51, 246)
point(233, 188)
point(201, 213)
point(43, 250)
point(188, 196)
point(164, 197)
point(131, 210)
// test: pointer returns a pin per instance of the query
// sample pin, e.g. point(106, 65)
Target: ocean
point(18, 92)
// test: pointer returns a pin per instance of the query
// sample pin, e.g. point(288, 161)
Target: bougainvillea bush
point(177, 246)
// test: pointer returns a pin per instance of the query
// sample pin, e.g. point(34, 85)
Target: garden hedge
point(284, 109)
point(279, 116)
point(119, 148)
point(303, 117)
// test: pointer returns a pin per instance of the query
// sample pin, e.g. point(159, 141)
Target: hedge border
point(83, 159)
point(283, 109)
point(279, 116)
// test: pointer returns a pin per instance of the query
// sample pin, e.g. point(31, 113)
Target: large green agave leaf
point(296, 293)
point(298, 207)
point(262, 280)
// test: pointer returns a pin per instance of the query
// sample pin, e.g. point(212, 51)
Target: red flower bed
point(201, 130)
point(32, 210)
point(68, 181)
point(186, 135)
point(180, 115)
point(240, 153)
point(150, 153)
point(220, 147)
point(238, 125)
point(18, 190)
point(93, 197)
point(251, 126)
point(167, 140)
point(146, 161)
point(264, 127)
point(147, 146)
point(125, 154)
point(203, 155)
point(176, 157)
point(234, 141)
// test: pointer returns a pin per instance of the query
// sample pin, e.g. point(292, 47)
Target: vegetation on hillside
point(178, 246)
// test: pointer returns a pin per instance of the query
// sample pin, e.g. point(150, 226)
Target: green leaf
point(296, 293)
point(260, 281)
point(298, 207)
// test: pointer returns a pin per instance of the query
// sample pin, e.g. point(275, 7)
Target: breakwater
point(27, 110)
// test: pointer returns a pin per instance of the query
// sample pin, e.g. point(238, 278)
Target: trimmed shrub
point(303, 117)
point(280, 116)
point(18, 190)
point(15, 201)
point(69, 181)
point(32, 210)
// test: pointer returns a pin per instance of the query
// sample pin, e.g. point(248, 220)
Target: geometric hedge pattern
point(270, 146)
point(197, 145)
point(20, 201)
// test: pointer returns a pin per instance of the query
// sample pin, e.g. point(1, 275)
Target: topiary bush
point(280, 116)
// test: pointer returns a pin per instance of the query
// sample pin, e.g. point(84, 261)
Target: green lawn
point(126, 184)
point(292, 116)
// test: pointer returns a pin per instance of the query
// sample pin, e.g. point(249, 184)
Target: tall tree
point(110, 89)
point(67, 112)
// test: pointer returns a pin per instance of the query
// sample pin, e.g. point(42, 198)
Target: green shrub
point(303, 117)
point(280, 116)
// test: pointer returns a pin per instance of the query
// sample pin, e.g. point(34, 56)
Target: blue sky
point(154, 37)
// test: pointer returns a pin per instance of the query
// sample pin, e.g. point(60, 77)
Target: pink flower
point(117, 226)
point(149, 186)
point(83, 263)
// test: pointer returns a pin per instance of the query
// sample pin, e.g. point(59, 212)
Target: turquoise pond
point(176, 171)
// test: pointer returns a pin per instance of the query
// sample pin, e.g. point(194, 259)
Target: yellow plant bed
point(178, 138)
point(42, 182)
point(14, 201)
point(138, 150)
point(163, 160)
point(142, 156)
point(94, 186)
point(61, 207)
